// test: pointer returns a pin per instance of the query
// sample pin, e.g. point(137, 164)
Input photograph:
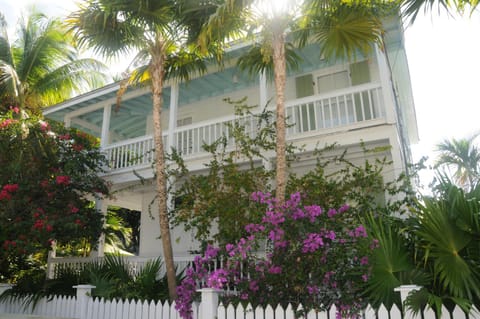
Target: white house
point(367, 100)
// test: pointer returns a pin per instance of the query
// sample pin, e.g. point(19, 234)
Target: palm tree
point(162, 32)
point(464, 156)
point(41, 67)
point(341, 27)
point(411, 8)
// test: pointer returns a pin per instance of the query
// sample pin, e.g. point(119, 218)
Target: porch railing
point(315, 114)
point(134, 263)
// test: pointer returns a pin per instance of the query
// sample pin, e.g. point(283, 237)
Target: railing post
point(404, 291)
point(83, 293)
point(209, 303)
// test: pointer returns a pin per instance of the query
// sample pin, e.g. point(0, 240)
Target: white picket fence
point(54, 307)
point(85, 307)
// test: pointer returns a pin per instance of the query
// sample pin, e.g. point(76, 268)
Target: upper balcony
point(344, 109)
point(322, 98)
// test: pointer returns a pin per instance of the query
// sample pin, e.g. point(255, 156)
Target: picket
point(249, 312)
point(395, 313)
point(382, 312)
point(240, 313)
point(445, 313)
point(269, 312)
point(259, 313)
point(458, 313)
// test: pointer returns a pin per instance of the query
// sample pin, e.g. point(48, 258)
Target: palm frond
point(345, 30)
point(104, 29)
point(75, 77)
point(392, 262)
point(257, 60)
point(445, 244)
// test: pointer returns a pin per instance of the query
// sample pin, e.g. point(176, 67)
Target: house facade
point(367, 100)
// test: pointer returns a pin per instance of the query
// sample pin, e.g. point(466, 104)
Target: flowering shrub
point(313, 257)
point(47, 180)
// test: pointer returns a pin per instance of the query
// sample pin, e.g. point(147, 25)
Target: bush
point(49, 175)
point(314, 257)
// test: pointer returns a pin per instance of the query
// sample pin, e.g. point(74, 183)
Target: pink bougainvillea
point(312, 258)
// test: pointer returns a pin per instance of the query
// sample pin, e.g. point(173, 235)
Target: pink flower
point(63, 180)
point(217, 279)
point(5, 195)
point(364, 261)
point(275, 270)
point(360, 231)
point(64, 137)
point(15, 109)
point(7, 122)
point(11, 188)
point(77, 147)
point(43, 125)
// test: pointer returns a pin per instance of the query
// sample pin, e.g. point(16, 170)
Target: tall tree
point(411, 8)
point(341, 27)
point(462, 155)
point(41, 67)
point(162, 33)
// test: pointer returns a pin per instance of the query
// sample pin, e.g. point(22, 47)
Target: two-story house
point(367, 100)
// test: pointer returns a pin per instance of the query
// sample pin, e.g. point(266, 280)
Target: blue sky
point(444, 61)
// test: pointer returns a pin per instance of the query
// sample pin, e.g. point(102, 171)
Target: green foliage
point(392, 264)
point(463, 156)
point(41, 66)
point(435, 247)
point(447, 241)
point(335, 180)
point(112, 277)
point(49, 175)
point(221, 194)
point(122, 229)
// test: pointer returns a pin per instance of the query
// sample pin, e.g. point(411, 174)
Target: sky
point(444, 60)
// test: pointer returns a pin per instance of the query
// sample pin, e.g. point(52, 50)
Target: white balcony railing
point(351, 106)
point(134, 263)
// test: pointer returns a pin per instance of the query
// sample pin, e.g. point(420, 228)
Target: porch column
point(172, 119)
point(387, 86)
point(263, 90)
point(104, 138)
point(102, 206)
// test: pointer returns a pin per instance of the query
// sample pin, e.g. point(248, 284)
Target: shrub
point(313, 257)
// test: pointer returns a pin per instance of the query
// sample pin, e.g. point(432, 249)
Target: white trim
point(172, 119)
point(82, 98)
point(107, 112)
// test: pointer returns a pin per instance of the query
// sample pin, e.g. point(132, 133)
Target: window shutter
point(359, 73)
point(304, 85)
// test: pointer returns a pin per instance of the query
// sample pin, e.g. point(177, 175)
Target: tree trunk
point(279, 66)
point(157, 75)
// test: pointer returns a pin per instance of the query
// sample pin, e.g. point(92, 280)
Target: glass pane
point(331, 82)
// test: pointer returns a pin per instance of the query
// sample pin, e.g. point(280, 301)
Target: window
point(334, 81)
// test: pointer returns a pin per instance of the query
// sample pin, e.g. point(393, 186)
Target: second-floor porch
point(322, 98)
point(341, 110)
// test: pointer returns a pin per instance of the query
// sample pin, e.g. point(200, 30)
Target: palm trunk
point(279, 66)
point(157, 75)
